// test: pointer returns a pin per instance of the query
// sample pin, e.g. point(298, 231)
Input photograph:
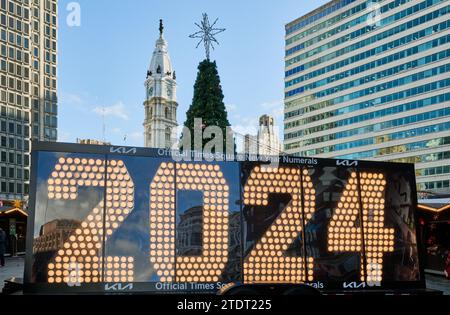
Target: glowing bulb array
point(267, 261)
point(162, 222)
point(210, 180)
point(80, 258)
point(119, 269)
point(344, 236)
point(116, 269)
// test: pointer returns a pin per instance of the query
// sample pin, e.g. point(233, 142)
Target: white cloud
point(71, 99)
point(231, 107)
point(249, 123)
point(278, 115)
point(272, 105)
point(245, 125)
point(116, 110)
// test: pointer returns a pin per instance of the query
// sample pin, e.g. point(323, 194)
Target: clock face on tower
point(169, 91)
point(150, 91)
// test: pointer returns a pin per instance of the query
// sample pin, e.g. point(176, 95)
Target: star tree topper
point(206, 34)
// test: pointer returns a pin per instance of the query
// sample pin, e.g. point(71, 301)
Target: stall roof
point(434, 205)
point(9, 210)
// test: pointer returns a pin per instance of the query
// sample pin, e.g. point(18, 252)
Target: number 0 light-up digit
point(210, 180)
point(344, 236)
point(80, 261)
point(267, 261)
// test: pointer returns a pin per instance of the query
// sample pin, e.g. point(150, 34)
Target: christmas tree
point(208, 105)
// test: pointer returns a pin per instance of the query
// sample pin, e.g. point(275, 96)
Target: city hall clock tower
point(161, 102)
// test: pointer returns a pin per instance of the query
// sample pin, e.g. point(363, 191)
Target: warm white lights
point(345, 236)
point(210, 180)
point(356, 225)
point(267, 262)
point(82, 250)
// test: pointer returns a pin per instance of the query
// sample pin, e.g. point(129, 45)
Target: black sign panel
point(119, 219)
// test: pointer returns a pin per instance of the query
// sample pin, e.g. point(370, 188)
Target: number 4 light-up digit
point(80, 259)
point(267, 262)
point(344, 236)
point(210, 180)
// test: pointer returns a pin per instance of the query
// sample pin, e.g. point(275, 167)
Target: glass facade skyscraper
point(28, 103)
point(370, 80)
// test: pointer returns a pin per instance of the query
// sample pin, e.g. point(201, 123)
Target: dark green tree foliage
point(207, 102)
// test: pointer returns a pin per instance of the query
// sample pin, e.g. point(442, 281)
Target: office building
point(28, 103)
point(369, 80)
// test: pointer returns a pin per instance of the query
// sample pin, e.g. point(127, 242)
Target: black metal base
point(13, 285)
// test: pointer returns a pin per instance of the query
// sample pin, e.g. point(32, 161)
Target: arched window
point(167, 113)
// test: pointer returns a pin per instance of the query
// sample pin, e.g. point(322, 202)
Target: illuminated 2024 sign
point(357, 223)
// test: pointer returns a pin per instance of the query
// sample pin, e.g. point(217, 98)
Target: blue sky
point(103, 62)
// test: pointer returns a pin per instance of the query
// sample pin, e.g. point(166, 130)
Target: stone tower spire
point(161, 102)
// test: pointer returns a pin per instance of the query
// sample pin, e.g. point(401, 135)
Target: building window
point(168, 134)
point(167, 112)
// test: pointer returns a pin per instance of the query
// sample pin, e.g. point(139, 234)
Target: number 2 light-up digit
point(210, 180)
point(80, 260)
point(267, 261)
point(344, 236)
